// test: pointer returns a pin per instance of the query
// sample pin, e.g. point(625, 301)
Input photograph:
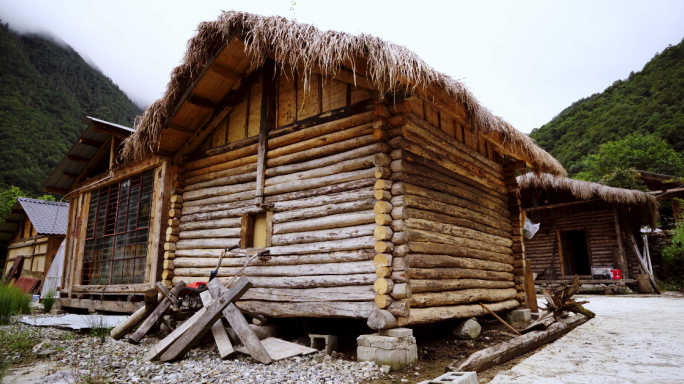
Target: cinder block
point(519, 316)
point(396, 352)
point(327, 343)
point(396, 332)
point(454, 378)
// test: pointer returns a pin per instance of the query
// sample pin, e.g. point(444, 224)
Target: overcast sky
point(525, 60)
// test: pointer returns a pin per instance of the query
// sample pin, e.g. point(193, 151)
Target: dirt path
point(633, 339)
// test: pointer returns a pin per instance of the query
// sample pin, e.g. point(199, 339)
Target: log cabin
point(381, 187)
point(669, 189)
point(33, 231)
point(583, 225)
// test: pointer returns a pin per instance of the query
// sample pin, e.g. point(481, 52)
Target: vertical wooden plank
point(469, 138)
point(481, 145)
point(68, 247)
point(307, 97)
point(161, 204)
point(417, 107)
point(218, 137)
point(560, 253)
point(260, 229)
point(348, 94)
point(255, 107)
point(431, 115)
point(81, 230)
point(246, 231)
point(225, 348)
point(334, 94)
point(621, 248)
point(267, 122)
point(447, 124)
point(359, 94)
point(286, 98)
point(236, 121)
point(459, 131)
point(269, 229)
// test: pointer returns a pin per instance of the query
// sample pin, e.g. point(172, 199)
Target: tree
point(7, 199)
point(616, 162)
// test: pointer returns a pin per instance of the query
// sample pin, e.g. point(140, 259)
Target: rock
point(467, 329)
point(385, 369)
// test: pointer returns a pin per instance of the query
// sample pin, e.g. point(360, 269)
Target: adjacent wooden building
point(381, 187)
point(32, 231)
point(583, 225)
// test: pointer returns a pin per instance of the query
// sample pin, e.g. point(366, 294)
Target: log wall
point(599, 228)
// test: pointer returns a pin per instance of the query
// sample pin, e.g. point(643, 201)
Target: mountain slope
point(45, 91)
point(648, 102)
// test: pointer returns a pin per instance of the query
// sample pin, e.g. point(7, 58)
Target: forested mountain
point(647, 102)
point(46, 89)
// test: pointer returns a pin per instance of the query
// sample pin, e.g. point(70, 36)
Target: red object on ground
point(616, 274)
point(27, 285)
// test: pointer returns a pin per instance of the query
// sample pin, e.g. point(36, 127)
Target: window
point(256, 230)
point(117, 232)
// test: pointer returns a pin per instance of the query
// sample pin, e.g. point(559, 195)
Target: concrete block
point(395, 352)
point(396, 332)
point(454, 378)
point(467, 329)
point(327, 343)
point(518, 316)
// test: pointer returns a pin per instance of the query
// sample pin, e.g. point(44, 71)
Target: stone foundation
point(396, 351)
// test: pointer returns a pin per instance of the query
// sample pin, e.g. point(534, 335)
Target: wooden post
point(268, 112)
point(621, 248)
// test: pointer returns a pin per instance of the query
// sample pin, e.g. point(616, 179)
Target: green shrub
point(49, 300)
point(13, 302)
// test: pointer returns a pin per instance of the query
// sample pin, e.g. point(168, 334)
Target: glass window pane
point(146, 200)
point(123, 206)
point(101, 210)
point(92, 210)
point(133, 208)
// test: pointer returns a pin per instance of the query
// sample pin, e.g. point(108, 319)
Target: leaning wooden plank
point(136, 318)
point(154, 316)
point(246, 335)
point(202, 323)
point(486, 358)
point(156, 351)
point(225, 348)
point(435, 314)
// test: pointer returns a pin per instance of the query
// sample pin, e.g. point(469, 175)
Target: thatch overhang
point(223, 52)
point(644, 205)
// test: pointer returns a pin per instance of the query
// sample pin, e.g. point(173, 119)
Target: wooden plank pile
point(218, 302)
point(558, 303)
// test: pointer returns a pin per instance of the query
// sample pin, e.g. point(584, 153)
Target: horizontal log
point(325, 210)
point(191, 209)
point(321, 151)
point(386, 219)
point(383, 301)
point(323, 235)
point(244, 169)
point(444, 261)
point(210, 233)
point(339, 167)
point(381, 319)
point(217, 191)
point(382, 233)
point(428, 204)
point(349, 310)
point(477, 248)
point(294, 282)
point(400, 264)
point(318, 182)
point(349, 268)
point(222, 181)
point(384, 246)
point(383, 286)
point(464, 207)
point(241, 196)
point(400, 308)
point(438, 173)
point(215, 215)
point(383, 184)
point(350, 293)
point(382, 260)
point(325, 222)
point(401, 291)
point(458, 273)
point(400, 250)
point(321, 191)
point(454, 230)
point(333, 137)
point(382, 207)
point(436, 314)
point(439, 299)
point(209, 258)
point(205, 243)
point(355, 244)
point(455, 250)
point(442, 285)
point(211, 224)
point(382, 195)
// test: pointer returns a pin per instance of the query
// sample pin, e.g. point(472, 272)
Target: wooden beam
point(268, 115)
point(225, 72)
point(12, 221)
point(101, 128)
point(233, 98)
point(550, 206)
point(78, 159)
point(58, 191)
point(178, 128)
point(621, 248)
point(71, 175)
point(90, 142)
point(201, 102)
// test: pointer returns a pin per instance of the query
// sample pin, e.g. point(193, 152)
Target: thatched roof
point(585, 190)
point(388, 66)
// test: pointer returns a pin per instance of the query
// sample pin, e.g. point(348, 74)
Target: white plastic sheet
point(530, 228)
point(54, 275)
point(75, 321)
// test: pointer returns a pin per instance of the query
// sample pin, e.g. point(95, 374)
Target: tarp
point(75, 321)
point(54, 276)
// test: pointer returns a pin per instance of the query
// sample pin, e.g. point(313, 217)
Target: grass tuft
point(49, 300)
point(13, 302)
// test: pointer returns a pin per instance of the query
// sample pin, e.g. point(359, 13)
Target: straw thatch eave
point(388, 67)
point(585, 190)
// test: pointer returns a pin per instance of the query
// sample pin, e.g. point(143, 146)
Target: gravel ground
point(74, 356)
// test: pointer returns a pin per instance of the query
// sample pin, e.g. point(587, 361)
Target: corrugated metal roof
point(59, 177)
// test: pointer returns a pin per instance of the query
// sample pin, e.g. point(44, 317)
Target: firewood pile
point(558, 303)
